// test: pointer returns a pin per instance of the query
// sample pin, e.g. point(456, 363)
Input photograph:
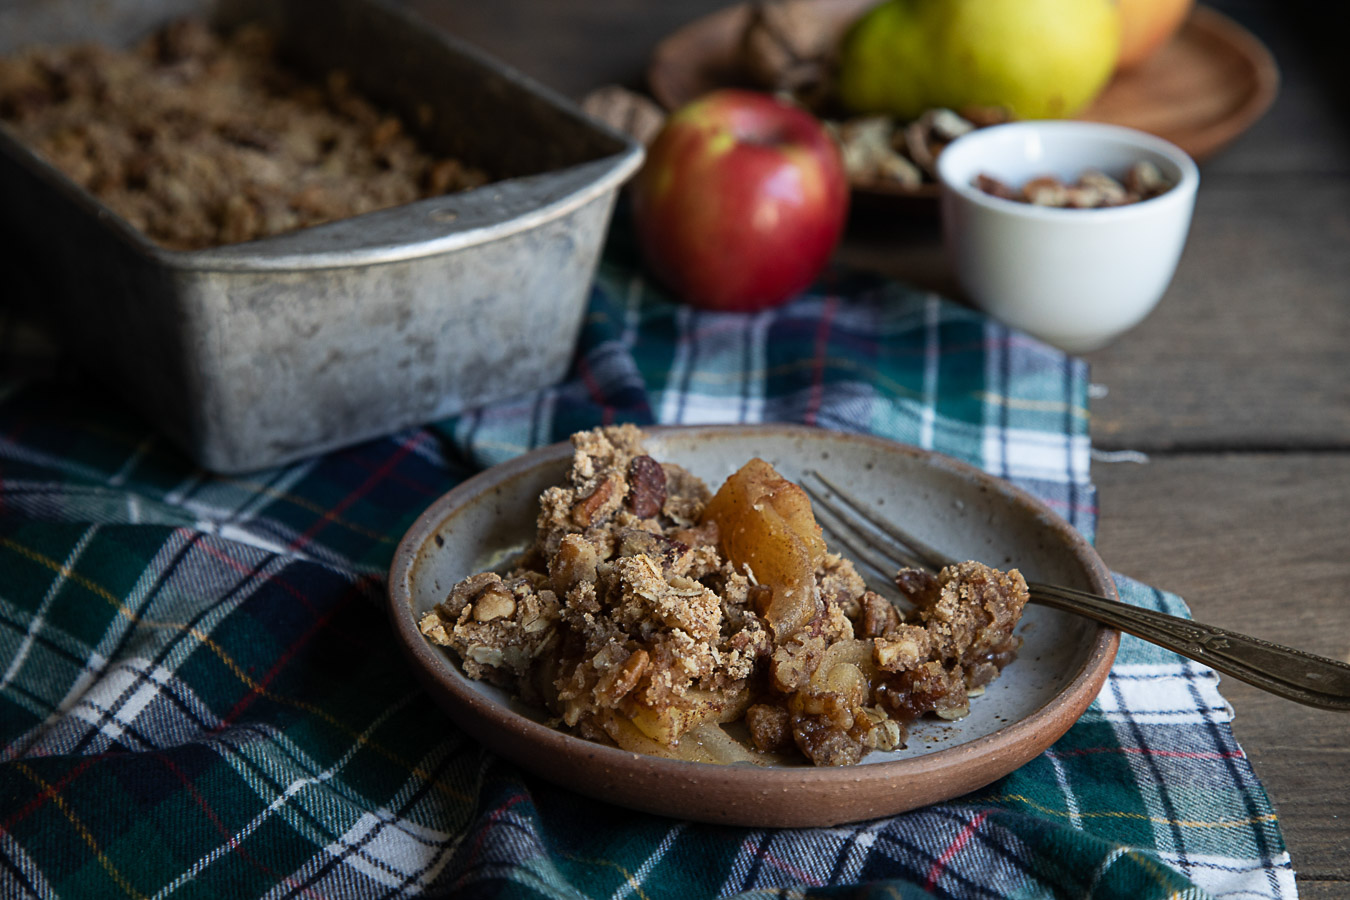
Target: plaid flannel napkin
point(200, 696)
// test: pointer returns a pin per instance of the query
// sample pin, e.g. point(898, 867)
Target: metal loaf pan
point(255, 354)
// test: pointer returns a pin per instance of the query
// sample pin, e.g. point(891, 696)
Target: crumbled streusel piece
point(497, 625)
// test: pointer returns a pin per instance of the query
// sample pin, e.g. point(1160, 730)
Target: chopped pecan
point(646, 487)
point(770, 726)
point(585, 511)
point(878, 615)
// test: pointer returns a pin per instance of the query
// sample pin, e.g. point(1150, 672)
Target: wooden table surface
point(1236, 391)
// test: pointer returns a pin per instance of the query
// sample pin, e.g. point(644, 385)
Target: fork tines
point(875, 542)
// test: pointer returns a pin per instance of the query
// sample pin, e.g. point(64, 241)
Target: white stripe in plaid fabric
point(1021, 455)
point(395, 847)
point(1162, 693)
point(633, 884)
point(1225, 879)
point(390, 851)
point(36, 621)
point(25, 878)
point(931, 353)
point(1062, 780)
point(134, 703)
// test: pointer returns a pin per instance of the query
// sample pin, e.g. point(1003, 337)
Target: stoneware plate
point(1205, 87)
point(957, 508)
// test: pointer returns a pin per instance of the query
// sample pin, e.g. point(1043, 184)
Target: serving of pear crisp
point(657, 616)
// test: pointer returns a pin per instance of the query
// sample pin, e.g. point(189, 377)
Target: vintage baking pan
point(259, 353)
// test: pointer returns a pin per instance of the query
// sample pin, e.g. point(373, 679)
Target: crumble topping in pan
point(200, 140)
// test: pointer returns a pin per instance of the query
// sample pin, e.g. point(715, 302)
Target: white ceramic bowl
point(1076, 278)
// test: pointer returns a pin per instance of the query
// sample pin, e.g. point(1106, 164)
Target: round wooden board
point(1204, 88)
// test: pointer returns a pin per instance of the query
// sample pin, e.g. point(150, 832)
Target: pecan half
point(646, 487)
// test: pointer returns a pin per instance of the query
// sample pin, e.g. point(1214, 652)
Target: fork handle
point(1293, 674)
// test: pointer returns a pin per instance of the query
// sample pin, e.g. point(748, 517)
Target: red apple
point(741, 201)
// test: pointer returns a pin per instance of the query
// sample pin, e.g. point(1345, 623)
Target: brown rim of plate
point(745, 795)
point(699, 57)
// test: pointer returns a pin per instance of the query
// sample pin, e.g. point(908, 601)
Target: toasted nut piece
point(1145, 180)
point(1109, 191)
point(1046, 191)
point(619, 680)
point(575, 562)
point(916, 136)
point(646, 487)
point(870, 155)
point(996, 188)
point(877, 616)
point(588, 508)
point(884, 733)
point(487, 656)
point(1083, 197)
point(494, 603)
point(785, 44)
point(947, 125)
point(904, 648)
point(625, 110)
point(770, 726)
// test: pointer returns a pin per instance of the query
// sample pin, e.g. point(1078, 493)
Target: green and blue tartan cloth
point(200, 695)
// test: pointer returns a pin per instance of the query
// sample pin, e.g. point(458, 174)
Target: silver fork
point(1303, 677)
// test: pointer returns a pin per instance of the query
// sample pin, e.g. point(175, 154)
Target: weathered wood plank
point(1258, 543)
point(1323, 890)
point(1251, 345)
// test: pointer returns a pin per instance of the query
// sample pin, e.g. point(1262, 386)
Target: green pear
point(1040, 59)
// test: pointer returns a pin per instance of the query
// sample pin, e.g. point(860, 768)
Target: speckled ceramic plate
point(1062, 666)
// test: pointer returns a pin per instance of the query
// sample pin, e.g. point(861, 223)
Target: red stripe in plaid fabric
point(952, 849)
point(493, 818)
point(405, 447)
point(259, 688)
point(401, 478)
point(818, 360)
point(47, 793)
point(240, 568)
point(784, 866)
point(83, 831)
point(221, 827)
point(594, 389)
